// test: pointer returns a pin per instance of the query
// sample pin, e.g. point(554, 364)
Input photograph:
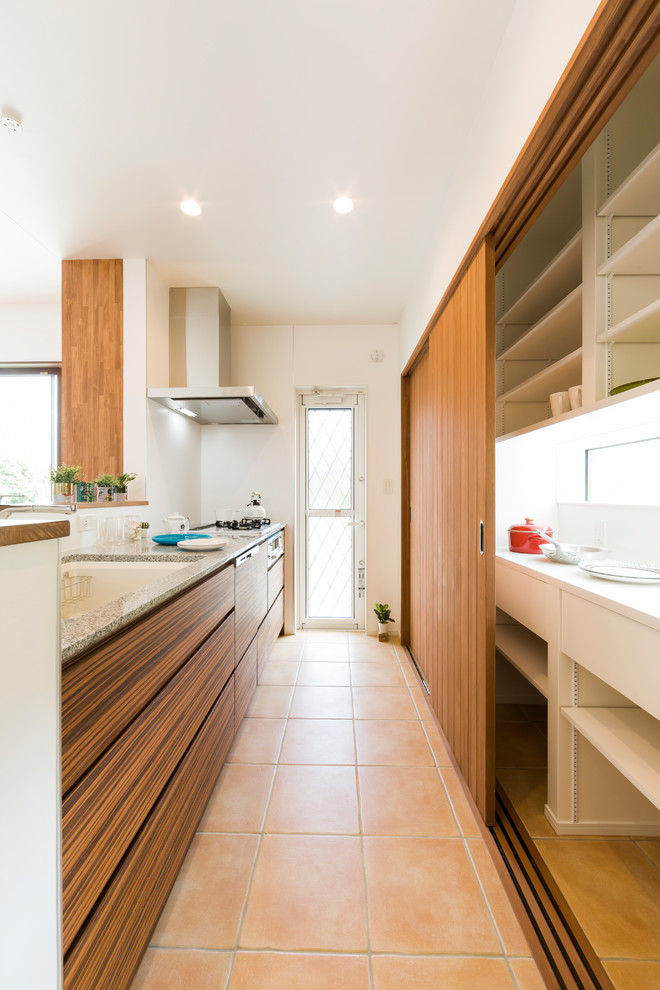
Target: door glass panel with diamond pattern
point(331, 462)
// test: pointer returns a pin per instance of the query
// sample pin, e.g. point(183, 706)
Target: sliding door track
point(571, 957)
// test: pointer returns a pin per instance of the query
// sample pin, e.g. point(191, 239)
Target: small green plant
point(65, 474)
point(122, 480)
point(105, 480)
point(383, 613)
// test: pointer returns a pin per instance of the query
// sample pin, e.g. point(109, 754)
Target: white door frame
point(340, 398)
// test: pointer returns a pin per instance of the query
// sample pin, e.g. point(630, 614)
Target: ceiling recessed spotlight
point(343, 204)
point(10, 121)
point(191, 208)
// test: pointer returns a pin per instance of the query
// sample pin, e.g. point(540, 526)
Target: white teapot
point(176, 523)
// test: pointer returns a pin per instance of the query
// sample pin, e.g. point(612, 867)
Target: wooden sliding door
point(449, 473)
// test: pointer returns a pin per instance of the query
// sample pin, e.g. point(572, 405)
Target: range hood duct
point(200, 364)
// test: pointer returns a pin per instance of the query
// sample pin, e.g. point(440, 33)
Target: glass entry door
point(331, 517)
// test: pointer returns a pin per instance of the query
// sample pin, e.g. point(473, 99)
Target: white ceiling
point(264, 111)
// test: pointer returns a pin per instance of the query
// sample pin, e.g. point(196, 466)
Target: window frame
point(27, 368)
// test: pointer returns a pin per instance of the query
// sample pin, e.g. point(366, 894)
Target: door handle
point(359, 523)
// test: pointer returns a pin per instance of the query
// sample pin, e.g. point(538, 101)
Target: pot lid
point(529, 526)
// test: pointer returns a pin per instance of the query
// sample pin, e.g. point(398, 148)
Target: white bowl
point(571, 553)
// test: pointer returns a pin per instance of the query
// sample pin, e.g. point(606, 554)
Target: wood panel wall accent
point(92, 366)
point(620, 43)
point(450, 444)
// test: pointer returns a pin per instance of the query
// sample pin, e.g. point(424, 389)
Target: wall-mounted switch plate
point(388, 486)
point(599, 533)
point(86, 523)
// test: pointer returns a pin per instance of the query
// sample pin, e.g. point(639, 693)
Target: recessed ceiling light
point(191, 208)
point(10, 121)
point(343, 204)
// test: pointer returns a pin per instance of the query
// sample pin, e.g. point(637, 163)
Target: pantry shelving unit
point(527, 652)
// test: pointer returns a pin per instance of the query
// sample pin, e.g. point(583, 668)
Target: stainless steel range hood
point(200, 364)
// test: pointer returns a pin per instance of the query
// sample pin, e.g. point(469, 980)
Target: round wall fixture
point(10, 121)
point(377, 356)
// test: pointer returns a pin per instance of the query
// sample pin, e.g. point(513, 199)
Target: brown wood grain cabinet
point(147, 721)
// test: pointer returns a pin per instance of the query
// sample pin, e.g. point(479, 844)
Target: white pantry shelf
point(527, 652)
point(555, 281)
point(643, 327)
point(638, 256)
point(555, 378)
point(555, 334)
point(639, 193)
point(629, 738)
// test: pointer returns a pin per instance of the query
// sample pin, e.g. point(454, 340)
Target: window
point(29, 439)
point(624, 473)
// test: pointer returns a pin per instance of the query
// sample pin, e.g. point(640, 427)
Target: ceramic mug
point(575, 396)
point(559, 403)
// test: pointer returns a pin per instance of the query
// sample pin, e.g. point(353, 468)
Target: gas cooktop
point(243, 525)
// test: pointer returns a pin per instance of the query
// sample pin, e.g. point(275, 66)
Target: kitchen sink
point(87, 585)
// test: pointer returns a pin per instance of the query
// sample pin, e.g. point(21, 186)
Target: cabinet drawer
point(245, 681)
point(105, 809)
point(620, 651)
point(524, 598)
point(251, 594)
point(270, 629)
point(106, 688)
point(275, 580)
point(107, 952)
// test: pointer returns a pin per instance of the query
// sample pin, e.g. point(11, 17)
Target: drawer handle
point(246, 556)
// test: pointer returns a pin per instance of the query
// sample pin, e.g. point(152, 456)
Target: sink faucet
point(9, 509)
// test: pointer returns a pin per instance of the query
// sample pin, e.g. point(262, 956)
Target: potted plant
point(64, 480)
point(105, 484)
point(383, 616)
point(120, 492)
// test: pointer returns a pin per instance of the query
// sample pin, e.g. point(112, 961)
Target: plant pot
point(84, 491)
point(383, 635)
point(103, 493)
point(120, 494)
point(64, 492)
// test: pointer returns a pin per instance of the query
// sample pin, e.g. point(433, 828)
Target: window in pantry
point(624, 473)
point(29, 439)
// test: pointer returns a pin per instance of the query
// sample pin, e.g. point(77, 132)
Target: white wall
point(537, 46)
point(31, 332)
point(239, 459)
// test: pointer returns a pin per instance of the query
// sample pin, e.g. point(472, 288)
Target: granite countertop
point(86, 630)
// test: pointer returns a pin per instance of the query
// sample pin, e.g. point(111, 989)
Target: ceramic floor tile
point(378, 652)
point(327, 635)
point(515, 943)
point(258, 740)
point(307, 893)
point(319, 799)
point(633, 975)
point(270, 701)
point(279, 672)
point(325, 652)
point(377, 674)
point(322, 702)
point(424, 897)
point(420, 701)
point(527, 974)
point(527, 790)
point(409, 673)
point(429, 973)
point(287, 648)
point(466, 816)
point(404, 801)
point(239, 799)
point(437, 744)
point(299, 971)
point(204, 909)
point(383, 703)
point(614, 891)
point(172, 969)
point(324, 674)
point(520, 744)
point(392, 743)
point(318, 740)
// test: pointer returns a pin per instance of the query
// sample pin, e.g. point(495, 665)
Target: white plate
point(621, 570)
point(213, 543)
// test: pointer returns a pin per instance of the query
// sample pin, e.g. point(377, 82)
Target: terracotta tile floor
point(338, 850)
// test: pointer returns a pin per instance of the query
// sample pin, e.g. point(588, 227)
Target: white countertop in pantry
point(638, 602)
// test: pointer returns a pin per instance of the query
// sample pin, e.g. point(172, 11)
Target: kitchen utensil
point(575, 396)
point(568, 553)
point(255, 509)
point(213, 543)
point(176, 523)
point(559, 403)
point(622, 570)
point(172, 539)
point(527, 537)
